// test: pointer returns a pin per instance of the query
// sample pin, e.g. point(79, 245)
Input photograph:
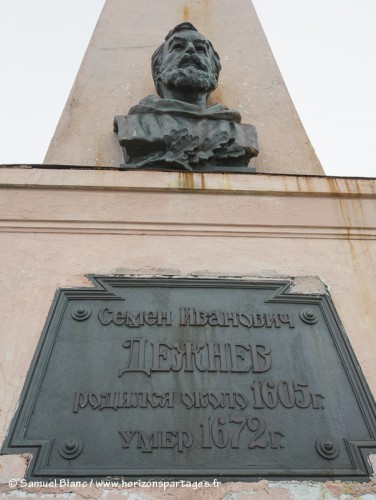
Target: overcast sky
point(324, 48)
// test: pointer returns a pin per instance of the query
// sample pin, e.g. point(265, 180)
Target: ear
point(159, 87)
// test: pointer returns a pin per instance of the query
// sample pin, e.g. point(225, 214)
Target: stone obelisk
point(115, 75)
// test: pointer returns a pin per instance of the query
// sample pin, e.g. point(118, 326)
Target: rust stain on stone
point(202, 181)
point(186, 15)
point(200, 13)
point(227, 181)
point(191, 180)
point(352, 195)
point(350, 205)
point(342, 205)
point(186, 180)
point(215, 97)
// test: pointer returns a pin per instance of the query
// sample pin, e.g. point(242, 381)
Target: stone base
point(57, 226)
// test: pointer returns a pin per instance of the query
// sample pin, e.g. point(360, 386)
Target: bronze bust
point(177, 131)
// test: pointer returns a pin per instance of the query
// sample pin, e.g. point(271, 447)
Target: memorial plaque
point(187, 378)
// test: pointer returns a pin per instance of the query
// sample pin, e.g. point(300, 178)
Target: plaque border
point(40, 449)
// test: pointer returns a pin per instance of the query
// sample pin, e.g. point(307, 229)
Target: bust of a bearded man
point(177, 131)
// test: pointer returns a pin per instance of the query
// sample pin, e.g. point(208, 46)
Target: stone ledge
point(76, 177)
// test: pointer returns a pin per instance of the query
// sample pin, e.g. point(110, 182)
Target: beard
point(189, 78)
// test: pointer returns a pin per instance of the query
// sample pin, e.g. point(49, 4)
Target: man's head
point(186, 61)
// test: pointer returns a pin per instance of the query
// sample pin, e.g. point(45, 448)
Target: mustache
point(192, 58)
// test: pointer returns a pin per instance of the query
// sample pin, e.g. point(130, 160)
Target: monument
point(180, 323)
point(178, 130)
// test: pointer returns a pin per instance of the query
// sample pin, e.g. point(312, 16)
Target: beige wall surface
point(58, 226)
point(115, 75)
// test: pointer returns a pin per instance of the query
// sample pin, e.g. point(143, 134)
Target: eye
point(177, 46)
point(201, 49)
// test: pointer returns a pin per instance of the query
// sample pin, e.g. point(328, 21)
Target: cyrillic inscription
point(107, 317)
point(117, 399)
point(190, 317)
point(188, 357)
point(190, 378)
point(156, 440)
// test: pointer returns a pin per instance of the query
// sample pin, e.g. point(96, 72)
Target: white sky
point(324, 48)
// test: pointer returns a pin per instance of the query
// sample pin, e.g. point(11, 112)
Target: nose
point(190, 48)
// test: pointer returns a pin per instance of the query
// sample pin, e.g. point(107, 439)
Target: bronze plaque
point(187, 378)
